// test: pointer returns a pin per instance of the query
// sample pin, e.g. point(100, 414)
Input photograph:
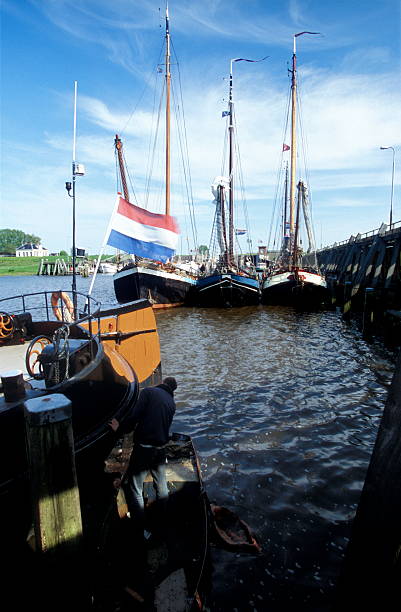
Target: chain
point(61, 350)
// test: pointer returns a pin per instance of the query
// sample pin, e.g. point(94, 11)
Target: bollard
point(347, 300)
point(55, 495)
point(13, 385)
point(368, 311)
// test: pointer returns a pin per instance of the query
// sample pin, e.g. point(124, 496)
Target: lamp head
point(68, 187)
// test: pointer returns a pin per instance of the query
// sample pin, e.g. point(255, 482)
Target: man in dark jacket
point(150, 420)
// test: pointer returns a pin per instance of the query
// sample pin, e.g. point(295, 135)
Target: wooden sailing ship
point(225, 282)
point(288, 282)
point(163, 284)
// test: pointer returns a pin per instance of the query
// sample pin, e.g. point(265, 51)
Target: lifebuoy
point(65, 314)
point(6, 325)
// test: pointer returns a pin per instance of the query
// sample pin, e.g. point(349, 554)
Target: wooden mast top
point(119, 148)
point(168, 80)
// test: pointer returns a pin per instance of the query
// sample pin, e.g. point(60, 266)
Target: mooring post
point(347, 299)
point(333, 292)
point(55, 495)
point(370, 577)
point(368, 318)
point(57, 520)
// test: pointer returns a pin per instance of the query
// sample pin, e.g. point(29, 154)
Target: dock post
point(57, 521)
point(333, 293)
point(57, 511)
point(370, 577)
point(347, 300)
point(368, 318)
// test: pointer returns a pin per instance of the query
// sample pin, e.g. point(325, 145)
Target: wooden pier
point(60, 267)
point(54, 268)
point(364, 278)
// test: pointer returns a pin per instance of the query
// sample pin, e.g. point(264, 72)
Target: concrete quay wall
point(364, 278)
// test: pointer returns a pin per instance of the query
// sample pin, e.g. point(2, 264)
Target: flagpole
point(104, 243)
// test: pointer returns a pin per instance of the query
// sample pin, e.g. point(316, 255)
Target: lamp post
point(77, 170)
point(392, 185)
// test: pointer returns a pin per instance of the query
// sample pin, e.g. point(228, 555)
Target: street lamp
point(392, 185)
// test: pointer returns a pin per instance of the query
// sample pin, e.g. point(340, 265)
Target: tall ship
point(286, 281)
point(150, 238)
point(228, 279)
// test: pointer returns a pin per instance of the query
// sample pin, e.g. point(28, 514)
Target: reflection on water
point(284, 410)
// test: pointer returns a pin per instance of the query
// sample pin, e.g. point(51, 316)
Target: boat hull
point(305, 290)
point(110, 357)
point(225, 291)
point(162, 288)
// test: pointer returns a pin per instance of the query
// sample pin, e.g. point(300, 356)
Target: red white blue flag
point(140, 232)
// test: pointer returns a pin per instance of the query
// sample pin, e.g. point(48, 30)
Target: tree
point(203, 250)
point(63, 254)
point(11, 239)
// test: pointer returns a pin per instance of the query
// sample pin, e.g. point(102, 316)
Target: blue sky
point(350, 83)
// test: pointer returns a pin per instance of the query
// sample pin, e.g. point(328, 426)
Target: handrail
point(41, 306)
point(360, 237)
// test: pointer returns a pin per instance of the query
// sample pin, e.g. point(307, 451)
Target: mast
point(168, 82)
point(119, 148)
point(293, 143)
point(295, 250)
point(285, 217)
point(230, 255)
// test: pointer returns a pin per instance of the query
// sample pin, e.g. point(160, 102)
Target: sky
point(350, 93)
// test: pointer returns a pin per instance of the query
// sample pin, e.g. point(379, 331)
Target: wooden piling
point(347, 299)
point(368, 318)
point(55, 495)
point(370, 578)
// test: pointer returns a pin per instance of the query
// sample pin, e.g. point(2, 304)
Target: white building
point(31, 250)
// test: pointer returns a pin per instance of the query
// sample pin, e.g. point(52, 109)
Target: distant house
point(31, 250)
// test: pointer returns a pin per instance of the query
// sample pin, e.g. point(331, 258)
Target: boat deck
point(12, 357)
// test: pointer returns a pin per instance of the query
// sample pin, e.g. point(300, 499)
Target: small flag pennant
point(240, 232)
point(225, 114)
point(286, 147)
point(244, 59)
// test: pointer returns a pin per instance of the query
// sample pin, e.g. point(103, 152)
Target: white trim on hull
point(284, 288)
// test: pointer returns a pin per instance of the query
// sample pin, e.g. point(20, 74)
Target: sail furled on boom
point(219, 188)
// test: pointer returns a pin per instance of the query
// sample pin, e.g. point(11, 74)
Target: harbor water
point(284, 409)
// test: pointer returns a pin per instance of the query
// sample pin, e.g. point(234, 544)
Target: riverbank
point(29, 266)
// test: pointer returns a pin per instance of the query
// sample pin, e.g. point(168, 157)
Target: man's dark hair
point(171, 382)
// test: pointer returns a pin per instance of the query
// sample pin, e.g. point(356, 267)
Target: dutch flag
point(140, 232)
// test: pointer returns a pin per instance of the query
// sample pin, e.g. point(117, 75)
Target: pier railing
point(383, 229)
